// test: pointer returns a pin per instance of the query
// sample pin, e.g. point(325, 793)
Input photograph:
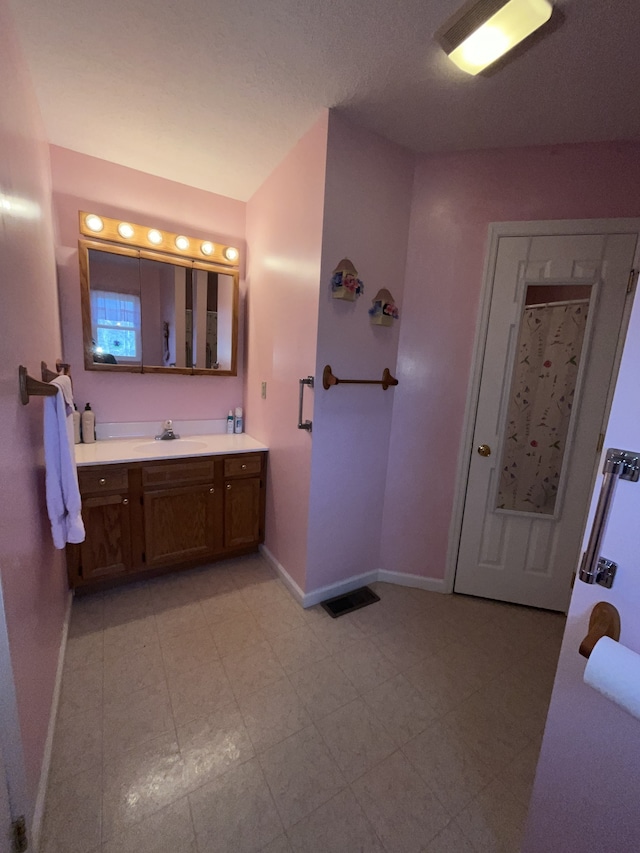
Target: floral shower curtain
point(542, 396)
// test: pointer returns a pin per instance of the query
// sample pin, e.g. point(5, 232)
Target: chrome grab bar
point(618, 465)
point(306, 424)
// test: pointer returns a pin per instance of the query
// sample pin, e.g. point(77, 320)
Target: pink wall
point(32, 573)
point(585, 796)
point(87, 183)
point(455, 198)
point(366, 218)
point(284, 232)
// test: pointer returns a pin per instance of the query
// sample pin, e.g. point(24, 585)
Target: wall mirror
point(149, 312)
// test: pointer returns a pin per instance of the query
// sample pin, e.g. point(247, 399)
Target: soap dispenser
point(230, 423)
point(88, 425)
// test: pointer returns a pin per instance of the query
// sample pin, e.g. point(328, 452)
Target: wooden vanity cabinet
point(106, 512)
point(145, 517)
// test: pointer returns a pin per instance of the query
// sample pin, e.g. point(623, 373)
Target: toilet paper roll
point(614, 671)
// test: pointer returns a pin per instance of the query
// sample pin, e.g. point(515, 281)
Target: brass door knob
point(484, 450)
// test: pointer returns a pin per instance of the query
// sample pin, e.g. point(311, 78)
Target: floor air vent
point(349, 602)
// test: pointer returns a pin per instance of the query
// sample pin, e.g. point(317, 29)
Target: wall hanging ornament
point(345, 283)
point(383, 311)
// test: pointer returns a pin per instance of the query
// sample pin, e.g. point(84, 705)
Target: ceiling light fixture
point(94, 223)
point(125, 230)
point(207, 248)
point(484, 30)
point(231, 254)
point(182, 242)
point(155, 237)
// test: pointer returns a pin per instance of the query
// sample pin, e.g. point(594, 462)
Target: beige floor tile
point(301, 775)
point(212, 745)
point(77, 744)
point(402, 809)
point(376, 618)
point(168, 831)
point(127, 604)
point(519, 775)
point(339, 826)
point(365, 665)
point(81, 690)
point(402, 647)
point(298, 649)
point(451, 840)
point(191, 650)
point(494, 820)
point(236, 813)
point(278, 845)
point(141, 782)
point(132, 670)
point(323, 688)
point(132, 719)
point(337, 634)
point(441, 684)
point(87, 615)
point(121, 638)
point(317, 613)
point(225, 605)
point(280, 617)
point(72, 821)
point(84, 650)
point(269, 592)
point(180, 620)
point(401, 708)
point(357, 739)
point(252, 669)
point(236, 634)
point(448, 765)
point(273, 713)
point(198, 692)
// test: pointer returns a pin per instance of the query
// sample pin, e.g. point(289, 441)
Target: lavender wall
point(366, 218)
point(32, 573)
point(455, 198)
point(284, 234)
point(87, 183)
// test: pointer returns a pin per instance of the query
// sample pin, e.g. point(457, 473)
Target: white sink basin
point(182, 445)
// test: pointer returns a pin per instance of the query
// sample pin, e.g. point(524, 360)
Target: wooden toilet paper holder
point(604, 622)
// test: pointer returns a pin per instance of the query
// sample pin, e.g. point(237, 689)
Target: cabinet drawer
point(108, 479)
point(249, 463)
point(182, 473)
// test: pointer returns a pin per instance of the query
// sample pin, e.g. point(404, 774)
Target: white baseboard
point(38, 811)
point(417, 581)
point(308, 599)
point(289, 582)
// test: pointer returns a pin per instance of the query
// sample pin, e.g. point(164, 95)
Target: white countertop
point(112, 450)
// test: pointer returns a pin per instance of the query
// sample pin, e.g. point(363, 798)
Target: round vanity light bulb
point(154, 236)
point(182, 243)
point(207, 248)
point(231, 254)
point(125, 230)
point(93, 222)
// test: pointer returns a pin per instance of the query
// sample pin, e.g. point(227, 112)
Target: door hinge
point(633, 280)
point(600, 443)
point(19, 833)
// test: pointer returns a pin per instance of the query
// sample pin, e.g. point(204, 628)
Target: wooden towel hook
point(604, 622)
point(30, 387)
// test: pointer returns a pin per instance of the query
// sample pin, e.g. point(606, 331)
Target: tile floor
point(206, 712)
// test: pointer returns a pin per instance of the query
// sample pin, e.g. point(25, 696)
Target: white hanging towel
point(63, 494)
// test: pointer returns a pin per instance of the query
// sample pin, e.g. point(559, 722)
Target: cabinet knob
point(243, 467)
point(228, 485)
point(102, 481)
point(211, 491)
point(126, 501)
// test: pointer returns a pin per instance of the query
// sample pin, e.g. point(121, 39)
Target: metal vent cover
point(465, 21)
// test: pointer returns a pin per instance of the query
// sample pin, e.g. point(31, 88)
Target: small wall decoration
point(345, 283)
point(383, 311)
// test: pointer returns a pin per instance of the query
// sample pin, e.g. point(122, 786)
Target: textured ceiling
point(214, 94)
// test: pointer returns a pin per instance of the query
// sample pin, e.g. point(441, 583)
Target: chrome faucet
point(167, 433)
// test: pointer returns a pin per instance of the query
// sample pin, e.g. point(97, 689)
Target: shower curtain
point(542, 397)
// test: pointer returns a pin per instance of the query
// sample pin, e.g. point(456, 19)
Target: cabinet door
point(179, 524)
point(107, 546)
point(242, 512)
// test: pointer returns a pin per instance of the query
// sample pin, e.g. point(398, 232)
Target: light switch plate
point(264, 391)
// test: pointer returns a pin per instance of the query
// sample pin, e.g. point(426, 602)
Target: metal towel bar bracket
point(618, 465)
point(304, 424)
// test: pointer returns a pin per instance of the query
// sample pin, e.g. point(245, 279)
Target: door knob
point(484, 450)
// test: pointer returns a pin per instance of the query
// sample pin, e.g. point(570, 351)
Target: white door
point(587, 788)
point(555, 317)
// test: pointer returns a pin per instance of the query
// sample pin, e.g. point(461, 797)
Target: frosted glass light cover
point(207, 248)
point(231, 254)
point(94, 223)
point(154, 237)
point(182, 243)
point(516, 20)
point(125, 230)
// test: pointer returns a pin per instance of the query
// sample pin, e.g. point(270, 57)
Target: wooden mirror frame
point(85, 301)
